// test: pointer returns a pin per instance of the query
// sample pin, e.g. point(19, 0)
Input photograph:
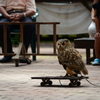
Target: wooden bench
point(85, 43)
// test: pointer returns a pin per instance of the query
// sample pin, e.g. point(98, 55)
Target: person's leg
point(9, 44)
point(97, 52)
point(92, 30)
point(97, 48)
point(28, 31)
point(28, 34)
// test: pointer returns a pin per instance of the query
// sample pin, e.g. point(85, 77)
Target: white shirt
point(24, 5)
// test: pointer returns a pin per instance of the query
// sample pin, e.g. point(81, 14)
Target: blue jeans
point(28, 32)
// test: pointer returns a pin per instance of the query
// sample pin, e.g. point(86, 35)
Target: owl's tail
point(85, 71)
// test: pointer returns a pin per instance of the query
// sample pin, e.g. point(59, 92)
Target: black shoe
point(5, 59)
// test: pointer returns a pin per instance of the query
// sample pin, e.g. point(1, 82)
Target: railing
point(21, 38)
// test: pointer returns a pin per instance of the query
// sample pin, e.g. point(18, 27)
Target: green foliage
point(48, 38)
point(15, 38)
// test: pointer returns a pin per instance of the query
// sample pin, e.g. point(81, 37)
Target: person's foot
point(6, 59)
point(96, 62)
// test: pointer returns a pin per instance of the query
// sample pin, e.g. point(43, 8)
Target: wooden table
point(85, 43)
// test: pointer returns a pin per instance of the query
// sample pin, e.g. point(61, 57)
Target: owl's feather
point(70, 58)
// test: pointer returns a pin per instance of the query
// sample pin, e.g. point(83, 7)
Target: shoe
point(6, 59)
point(96, 62)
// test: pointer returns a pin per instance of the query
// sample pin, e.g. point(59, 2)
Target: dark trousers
point(28, 32)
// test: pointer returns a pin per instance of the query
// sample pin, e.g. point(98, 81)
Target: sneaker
point(96, 62)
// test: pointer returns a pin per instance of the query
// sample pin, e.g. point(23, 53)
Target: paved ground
point(16, 82)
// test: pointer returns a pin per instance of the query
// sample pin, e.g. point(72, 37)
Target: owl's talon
point(66, 75)
point(75, 75)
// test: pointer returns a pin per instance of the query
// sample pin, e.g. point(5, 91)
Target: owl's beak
point(59, 46)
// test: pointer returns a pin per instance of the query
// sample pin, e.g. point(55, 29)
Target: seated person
point(92, 28)
point(96, 7)
point(16, 11)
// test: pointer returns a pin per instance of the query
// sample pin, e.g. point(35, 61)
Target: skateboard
point(74, 81)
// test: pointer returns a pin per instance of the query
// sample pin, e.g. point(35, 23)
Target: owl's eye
point(63, 43)
point(58, 43)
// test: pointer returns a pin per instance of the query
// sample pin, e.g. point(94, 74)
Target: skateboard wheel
point(50, 83)
point(71, 84)
point(78, 83)
point(28, 61)
point(42, 84)
point(16, 63)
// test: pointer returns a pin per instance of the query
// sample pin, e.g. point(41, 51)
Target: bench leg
point(88, 56)
point(93, 53)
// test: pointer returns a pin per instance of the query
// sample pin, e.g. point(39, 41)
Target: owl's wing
point(68, 55)
point(72, 54)
point(73, 59)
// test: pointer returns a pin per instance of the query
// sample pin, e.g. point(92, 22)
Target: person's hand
point(97, 35)
point(18, 16)
point(10, 17)
point(93, 19)
point(15, 17)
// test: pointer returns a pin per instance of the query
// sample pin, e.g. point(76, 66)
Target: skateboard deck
point(74, 81)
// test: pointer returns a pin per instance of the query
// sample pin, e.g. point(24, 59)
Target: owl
point(70, 58)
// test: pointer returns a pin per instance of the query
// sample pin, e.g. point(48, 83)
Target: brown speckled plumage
point(70, 58)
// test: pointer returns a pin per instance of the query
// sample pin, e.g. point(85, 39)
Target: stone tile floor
point(16, 82)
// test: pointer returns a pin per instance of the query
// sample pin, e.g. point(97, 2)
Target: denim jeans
point(28, 31)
